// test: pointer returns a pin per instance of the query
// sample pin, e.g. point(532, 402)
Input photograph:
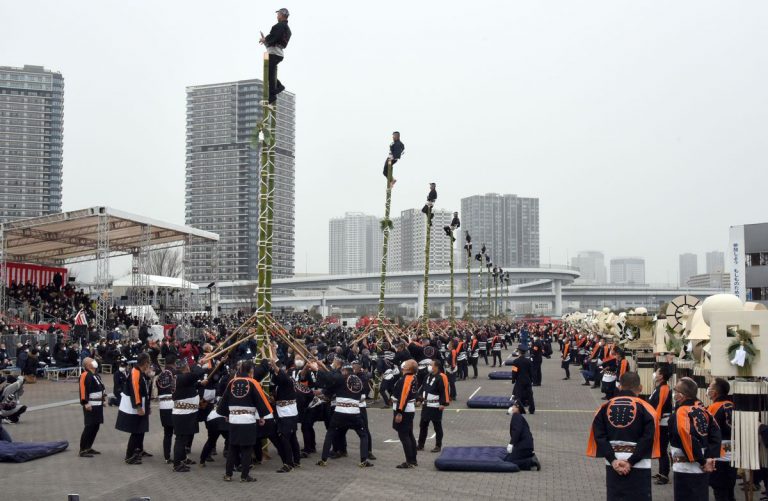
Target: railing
point(22, 312)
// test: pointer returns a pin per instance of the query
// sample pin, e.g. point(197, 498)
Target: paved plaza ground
point(560, 428)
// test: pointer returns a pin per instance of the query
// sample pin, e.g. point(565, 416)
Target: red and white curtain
point(22, 273)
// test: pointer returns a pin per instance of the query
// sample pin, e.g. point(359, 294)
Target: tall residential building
point(507, 224)
point(715, 262)
point(31, 141)
point(591, 265)
point(628, 271)
point(222, 187)
point(413, 235)
point(354, 244)
point(689, 266)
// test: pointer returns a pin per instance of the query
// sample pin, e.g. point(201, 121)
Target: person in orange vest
point(404, 409)
point(92, 400)
point(625, 432)
point(435, 395)
point(661, 400)
point(694, 441)
point(566, 359)
point(723, 479)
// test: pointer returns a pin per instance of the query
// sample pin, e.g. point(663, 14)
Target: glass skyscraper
point(31, 141)
point(222, 180)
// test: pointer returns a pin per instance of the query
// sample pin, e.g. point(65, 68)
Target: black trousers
point(385, 390)
point(496, 354)
point(286, 432)
point(167, 441)
point(567, 370)
point(664, 457)
point(536, 373)
point(636, 486)
point(364, 416)
point(394, 161)
point(452, 385)
point(210, 444)
point(435, 416)
point(340, 423)
point(473, 362)
point(405, 433)
point(463, 369)
point(239, 454)
point(180, 448)
point(274, 83)
point(723, 481)
point(691, 486)
point(484, 354)
point(88, 436)
point(135, 444)
point(523, 458)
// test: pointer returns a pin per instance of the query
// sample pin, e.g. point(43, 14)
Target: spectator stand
point(98, 234)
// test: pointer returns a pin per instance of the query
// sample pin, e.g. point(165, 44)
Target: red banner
point(23, 273)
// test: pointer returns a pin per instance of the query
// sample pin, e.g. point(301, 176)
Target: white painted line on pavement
point(52, 405)
point(478, 389)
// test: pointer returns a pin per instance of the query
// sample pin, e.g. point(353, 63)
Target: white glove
point(509, 411)
point(510, 448)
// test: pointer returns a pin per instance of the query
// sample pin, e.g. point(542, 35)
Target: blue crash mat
point(509, 361)
point(488, 402)
point(19, 452)
point(500, 375)
point(475, 459)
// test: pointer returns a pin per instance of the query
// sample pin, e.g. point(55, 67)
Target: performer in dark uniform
point(92, 400)
point(133, 413)
point(165, 383)
point(520, 448)
point(276, 42)
point(287, 414)
point(566, 359)
point(496, 343)
point(431, 199)
point(626, 433)
point(404, 409)
point(521, 379)
point(396, 150)
point(661, 401)
point(536, 360)
point(435, 395)
point(214, 422)
point(359, 371)
point(186, 403)
point(694, 441)
point(244, 404)
point(723, 479)
point(347, 389)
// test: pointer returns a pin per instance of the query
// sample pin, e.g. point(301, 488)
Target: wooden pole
point(425, 316)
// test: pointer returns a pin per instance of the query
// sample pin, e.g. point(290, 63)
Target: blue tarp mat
point(475, 459)
point(488, 402)
point(500, 375)
point(19, 452)
point(509, 361)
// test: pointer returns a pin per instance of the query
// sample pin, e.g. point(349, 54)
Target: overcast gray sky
point(641, 126)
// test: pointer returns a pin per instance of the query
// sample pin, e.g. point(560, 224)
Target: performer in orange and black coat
point(522, 380)
point(435, 395)
point(723, 479)
point(404, 408)
point(661, 400)
point(133, 413)
point(694, 441)
point(626, 433)
point(566, 359)
point(92, 400)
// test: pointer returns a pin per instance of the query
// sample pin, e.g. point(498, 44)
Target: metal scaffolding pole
point(104, 298)
point(139, 273)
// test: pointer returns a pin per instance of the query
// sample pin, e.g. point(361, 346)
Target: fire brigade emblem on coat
point(354, 384)
point(301, 388)
point(165, 380)
point(429, 351)
point(240, 388)
point(622, 412)
point(700, 422)
point(728, 410)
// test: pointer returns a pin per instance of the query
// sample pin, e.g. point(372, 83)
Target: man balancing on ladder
point(276, 42)
point(395, 152)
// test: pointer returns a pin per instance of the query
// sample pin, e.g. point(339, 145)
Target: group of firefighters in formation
point(671, 425)
point(275, 398)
